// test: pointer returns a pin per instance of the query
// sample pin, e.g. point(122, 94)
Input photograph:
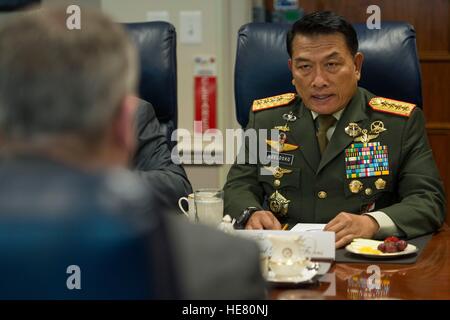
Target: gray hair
point(54, 80)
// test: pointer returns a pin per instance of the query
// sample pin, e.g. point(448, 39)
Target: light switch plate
point(191, 27)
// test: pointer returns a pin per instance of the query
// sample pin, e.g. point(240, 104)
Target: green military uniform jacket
point(410, 193)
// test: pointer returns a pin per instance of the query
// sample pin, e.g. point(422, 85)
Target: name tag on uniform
point(281, 158)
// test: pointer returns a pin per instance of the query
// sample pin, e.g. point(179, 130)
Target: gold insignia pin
point(365, 136)
point(288, 117)
point(380, 184)
point(278, 172)
point(278, 204)
point(284, 128)
point(377, 127)
point(355, 186)
point(281, 145)
point(353, 130)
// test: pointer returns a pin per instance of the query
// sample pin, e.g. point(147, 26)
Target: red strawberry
point(401, 245)
point(382, 247)
point(391, 239)
point(390, 247)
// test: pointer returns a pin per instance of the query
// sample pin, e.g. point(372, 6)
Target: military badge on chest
point(282, 145)
point(365, 158)
point(364, 135)
point(278, 203)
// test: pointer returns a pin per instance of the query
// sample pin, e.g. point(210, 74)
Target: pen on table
point(285, 227)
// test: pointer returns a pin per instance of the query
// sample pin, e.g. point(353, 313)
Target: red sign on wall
point(206, 101)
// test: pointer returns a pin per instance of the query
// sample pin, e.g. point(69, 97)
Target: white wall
point(81, 3)
point(220, 21)
point(124, 11)
point(4, 16)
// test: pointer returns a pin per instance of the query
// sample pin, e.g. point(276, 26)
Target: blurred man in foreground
point(72, 218)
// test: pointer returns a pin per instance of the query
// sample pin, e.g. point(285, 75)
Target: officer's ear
point(358, 60)
point(290, 64)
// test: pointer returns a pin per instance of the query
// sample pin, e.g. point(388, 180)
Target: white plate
point(305, 275)
point(355, 246)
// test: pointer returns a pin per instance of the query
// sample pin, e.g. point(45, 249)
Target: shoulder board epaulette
point(273, 102)
point(392, 106)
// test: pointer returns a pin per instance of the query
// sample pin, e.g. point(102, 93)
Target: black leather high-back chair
point(156, 43)
point(390, 69)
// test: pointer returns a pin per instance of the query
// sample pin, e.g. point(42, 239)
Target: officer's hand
point(263, 220)
point(348, 226)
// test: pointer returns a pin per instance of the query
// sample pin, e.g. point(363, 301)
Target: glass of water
point(209, 206)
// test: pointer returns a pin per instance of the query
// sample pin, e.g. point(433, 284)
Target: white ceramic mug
point(191, 206)
point(209, 206)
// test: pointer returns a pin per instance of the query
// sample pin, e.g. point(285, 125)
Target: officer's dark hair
point(320, 23)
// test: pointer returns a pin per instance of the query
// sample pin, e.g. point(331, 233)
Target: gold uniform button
point(276, 183)
point(368, 191)
point(322, 194)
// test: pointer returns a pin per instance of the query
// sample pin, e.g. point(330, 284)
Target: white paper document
point(318, 245)
point(304, 227)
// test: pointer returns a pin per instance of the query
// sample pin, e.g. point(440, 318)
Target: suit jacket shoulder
point(221, 268)
point(153, 159)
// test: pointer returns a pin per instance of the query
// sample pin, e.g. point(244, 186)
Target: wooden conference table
point(428, 278)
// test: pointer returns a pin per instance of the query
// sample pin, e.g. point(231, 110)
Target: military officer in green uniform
point(361, 164)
